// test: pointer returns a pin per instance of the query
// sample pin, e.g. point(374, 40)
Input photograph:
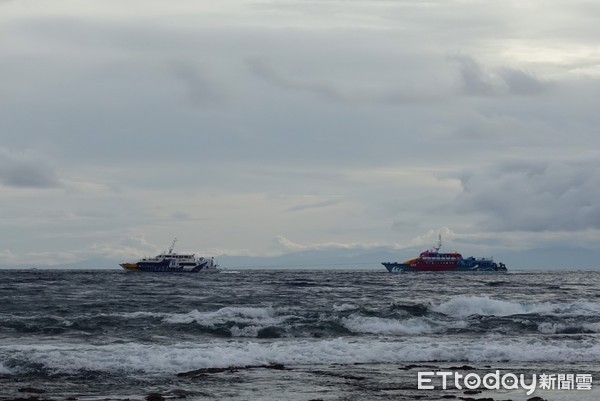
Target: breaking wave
point(564, 328)
point(238, 314)
point(461, 314)
point(134, 357)
point(464, 306)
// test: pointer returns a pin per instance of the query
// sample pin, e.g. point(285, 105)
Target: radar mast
point(172, 245)
point(437, 246)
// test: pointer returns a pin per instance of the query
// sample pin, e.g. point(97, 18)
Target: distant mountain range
point(341, 258)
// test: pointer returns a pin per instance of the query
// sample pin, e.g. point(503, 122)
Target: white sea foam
point(378, 325)
point(344, 307)
point(252, 318)
point(554, 328)
point(463, 306)
point(593, 327)
point(245, 314)
point(248, 331)
point(135, 315)
point(4, 370)
point(134, 357)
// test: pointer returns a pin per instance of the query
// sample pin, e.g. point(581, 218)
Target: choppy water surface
point(340, 335)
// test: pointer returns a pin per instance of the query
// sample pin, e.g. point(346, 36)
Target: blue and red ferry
point(432, 260)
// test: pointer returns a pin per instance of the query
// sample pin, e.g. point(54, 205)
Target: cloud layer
point(530, 195)
point(230, 125)
point(27, 169)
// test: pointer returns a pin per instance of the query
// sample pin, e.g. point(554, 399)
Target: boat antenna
point(439, 243)
point(172, 245)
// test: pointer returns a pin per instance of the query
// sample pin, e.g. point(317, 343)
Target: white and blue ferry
point(172, 262)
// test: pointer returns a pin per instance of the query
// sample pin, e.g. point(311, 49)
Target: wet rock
point(408, 367)
point(31, 390)
point(205, 371)
point(276, 366)
point(497, 283)
point(155, 397)
point(30, 398)
point(231, 369)
point(536, 399)
point(338, 375)
point(471, 392)
point(269, 332)
point(463, 367)
point(475, 399)
point(177, 393)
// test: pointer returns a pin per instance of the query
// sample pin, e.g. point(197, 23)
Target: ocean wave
point(264, 315)
point(463, 306)
point(376, 325)
point(344, 307)
point(461, 315)
point(4, 370)
point(134, 357)
point(563, 328)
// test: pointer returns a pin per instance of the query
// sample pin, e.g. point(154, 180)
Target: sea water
point(291, 334)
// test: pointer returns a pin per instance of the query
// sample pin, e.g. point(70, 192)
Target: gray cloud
point(315, 205)
point(200, 90)
point(521, 83)
point(478, 81)
point(26, 169)
point(474, 80)
point(181, 216)
point(394, 90)
point(263, 70)
point(548, 195)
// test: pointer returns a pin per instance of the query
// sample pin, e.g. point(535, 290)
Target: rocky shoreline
point(328, 383)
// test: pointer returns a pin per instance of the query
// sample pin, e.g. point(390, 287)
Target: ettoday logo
point(507, 381)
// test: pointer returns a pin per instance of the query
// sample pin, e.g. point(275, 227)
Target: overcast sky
point(263, 127)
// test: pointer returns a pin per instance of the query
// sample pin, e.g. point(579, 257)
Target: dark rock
point(475, 399)
point(276, 366)
point(30, 398)
point(471, 392)
point(177, 393)
point(155, 397)
point(269, 332)
point(204, 371)
point(497, 283)
point(338, 375)
point(31, 390)
point(231, 369)
point(463, 367)
point(408, 367)
point(536, 399)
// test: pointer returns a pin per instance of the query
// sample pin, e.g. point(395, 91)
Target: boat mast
point(172, 245)
point(437, 247)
